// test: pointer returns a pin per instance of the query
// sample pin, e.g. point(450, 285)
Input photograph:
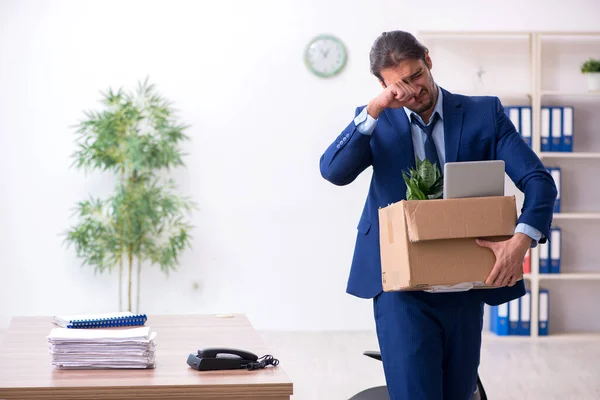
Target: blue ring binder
point(130, 320)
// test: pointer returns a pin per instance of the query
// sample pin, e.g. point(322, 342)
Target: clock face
point(325, 56)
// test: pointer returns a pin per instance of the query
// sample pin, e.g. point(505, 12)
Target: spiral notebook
point(104, 320)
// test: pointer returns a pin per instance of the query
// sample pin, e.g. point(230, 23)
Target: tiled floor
point(331, 366)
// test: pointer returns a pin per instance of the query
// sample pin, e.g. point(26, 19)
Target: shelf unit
point(550, 154)
point(584, 276)
point(575, 215)
point(530, 90)
point(572, 276)
point(547, 93)
point(558, 337)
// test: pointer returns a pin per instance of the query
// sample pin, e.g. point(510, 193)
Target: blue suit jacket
point(475, 128)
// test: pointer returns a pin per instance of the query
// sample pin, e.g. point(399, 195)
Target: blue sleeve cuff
point(529, 231)
point(365, 124)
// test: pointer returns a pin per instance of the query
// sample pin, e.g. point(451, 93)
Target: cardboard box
point(430, 244)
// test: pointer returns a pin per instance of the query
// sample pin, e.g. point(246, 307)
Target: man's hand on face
point(509, 259)
point(396, 95)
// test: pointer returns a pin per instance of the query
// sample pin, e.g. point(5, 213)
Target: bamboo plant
point(137, 138)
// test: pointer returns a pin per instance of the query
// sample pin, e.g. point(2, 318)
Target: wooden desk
point(26, 371)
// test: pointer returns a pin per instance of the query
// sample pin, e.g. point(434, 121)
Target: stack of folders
point(102, 348)
point(514, 318)
point(550, 253)
point(557, 128)
point(520, 116)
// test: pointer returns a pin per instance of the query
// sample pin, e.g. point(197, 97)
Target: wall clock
point(325, 56)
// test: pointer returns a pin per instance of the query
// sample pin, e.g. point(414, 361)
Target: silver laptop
point(473, 179)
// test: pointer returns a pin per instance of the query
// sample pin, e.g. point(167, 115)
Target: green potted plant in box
point(591, 68)
point(137, 138)
point(425, 182)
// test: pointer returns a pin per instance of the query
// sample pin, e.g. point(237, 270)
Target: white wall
point(272, 238)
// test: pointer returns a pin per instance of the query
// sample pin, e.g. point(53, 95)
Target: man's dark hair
point(390, 48)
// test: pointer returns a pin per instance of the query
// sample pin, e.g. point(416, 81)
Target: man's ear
point(428, 60)
point(382, 83)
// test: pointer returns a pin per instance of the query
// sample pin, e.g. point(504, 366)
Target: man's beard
point(424, 107)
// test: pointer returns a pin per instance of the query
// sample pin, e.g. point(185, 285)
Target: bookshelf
point(548, 93)
point(575, 215)
point(570, 276)
point(539, 69)
point(551, 154)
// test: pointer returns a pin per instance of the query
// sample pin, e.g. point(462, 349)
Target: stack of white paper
point(102, 348)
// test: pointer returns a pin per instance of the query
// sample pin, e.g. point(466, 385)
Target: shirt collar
point(439, 107)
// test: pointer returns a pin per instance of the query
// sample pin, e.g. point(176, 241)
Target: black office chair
point(381, 392)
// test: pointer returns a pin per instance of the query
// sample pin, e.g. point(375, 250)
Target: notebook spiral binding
point(132, 320)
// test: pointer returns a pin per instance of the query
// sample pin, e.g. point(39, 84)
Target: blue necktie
point(430, 149)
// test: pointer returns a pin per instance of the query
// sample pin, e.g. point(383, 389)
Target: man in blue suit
point(430, 342)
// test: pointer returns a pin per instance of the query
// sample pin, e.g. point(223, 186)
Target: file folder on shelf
point(526, 126)
point(544, 312)
point(499, 319)
point(544, 257)
point(514, 116)
point(520, 116)
point(525, 317)
point(527, 262)
point(555, 250)
point(513, 317)
point(555, 173)
point(567, 142)
point(545, 129)
point(104, 320)
point(556, 127)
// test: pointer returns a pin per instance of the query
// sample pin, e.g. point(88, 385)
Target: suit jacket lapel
point(400, 122)
point(453, 120)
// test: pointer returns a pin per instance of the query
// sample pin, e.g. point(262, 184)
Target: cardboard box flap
point(460, 218)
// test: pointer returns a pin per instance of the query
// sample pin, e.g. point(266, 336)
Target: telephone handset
point(213, 359)
point(224, 352)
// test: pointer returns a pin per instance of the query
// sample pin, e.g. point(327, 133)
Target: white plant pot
point(593, 81)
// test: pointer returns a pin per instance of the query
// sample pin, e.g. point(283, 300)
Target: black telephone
point(214, 359)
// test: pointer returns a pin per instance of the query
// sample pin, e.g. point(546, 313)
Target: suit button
point(338, 146)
